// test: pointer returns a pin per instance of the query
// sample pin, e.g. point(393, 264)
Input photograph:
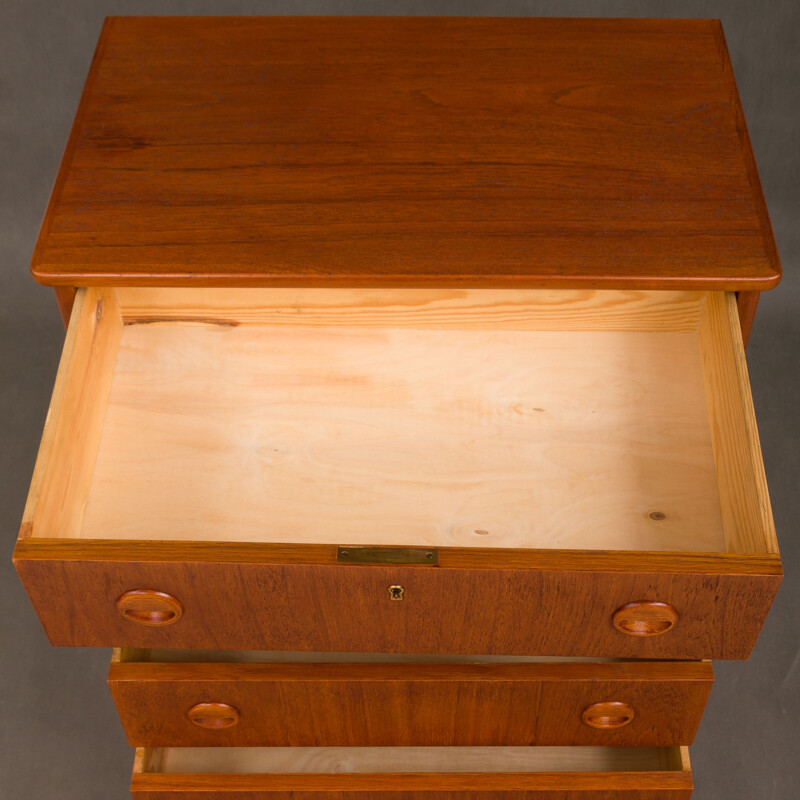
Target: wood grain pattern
point(365, 760)
point(332, 427)
point(328, 151)
point(397, 704)
point(518, 773)
point(213, 716)
point(645, 618)
point(266, 595)
point(421, 309)
point(262, 597)
point(43, 549)
point(147, 760)
point(746, 510)
point(747, 303)
point(566, 439)
point(65, 297)
point(65, 461)
point(431, 786)
point(747, 149)
point(608, 715)
point(146, 607)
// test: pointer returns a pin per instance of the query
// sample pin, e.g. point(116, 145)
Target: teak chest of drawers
point(403, 421)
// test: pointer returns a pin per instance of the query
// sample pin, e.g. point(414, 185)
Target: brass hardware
point(396, 592)
point(387, 555)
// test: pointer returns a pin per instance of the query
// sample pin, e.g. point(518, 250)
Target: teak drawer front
point(411, 471)
point(257, 597)
point(416, 773)
point(402, 704)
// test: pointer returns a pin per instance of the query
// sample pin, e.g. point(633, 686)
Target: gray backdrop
point(59, 732)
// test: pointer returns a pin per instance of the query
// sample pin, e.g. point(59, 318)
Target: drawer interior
point(253, 760)
point(493, 419)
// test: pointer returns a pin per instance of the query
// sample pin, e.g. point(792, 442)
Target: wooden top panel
point(409, 151)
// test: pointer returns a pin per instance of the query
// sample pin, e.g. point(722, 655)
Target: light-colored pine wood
point(556, 439)
point(283, 656)
point(148, 759)
point(489, 309)
point(433, 417)
point(744, 498)
point(141, 759)
point(416, 759)
point(65, 461)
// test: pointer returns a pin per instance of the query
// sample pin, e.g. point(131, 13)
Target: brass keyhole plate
point(396, 592)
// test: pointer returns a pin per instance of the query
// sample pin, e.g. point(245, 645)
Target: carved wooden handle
point(645, 618)
point(146, 607)
point(213, 715)
point(607, 716)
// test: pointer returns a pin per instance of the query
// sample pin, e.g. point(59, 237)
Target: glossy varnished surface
point(409, 151)
point(393, 704)
point(296, 597)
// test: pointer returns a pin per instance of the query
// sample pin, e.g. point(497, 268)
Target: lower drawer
point(412, 773)
point(176, 698)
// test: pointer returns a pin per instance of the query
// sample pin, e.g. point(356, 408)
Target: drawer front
point(558, 603)
point(559, 773)
point(211, 471)
point(422, 704)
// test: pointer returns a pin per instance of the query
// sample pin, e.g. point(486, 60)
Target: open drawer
point(187, 698)
point(413, 773)
point(411, 471)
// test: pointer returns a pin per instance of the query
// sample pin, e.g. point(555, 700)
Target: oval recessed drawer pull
point(148, 607)
point(645, 618)
point(213, 715)
point(608, 715)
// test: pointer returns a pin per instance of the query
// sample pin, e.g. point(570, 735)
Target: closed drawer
point(430, 471)
point(413, 773)
point(178, 698)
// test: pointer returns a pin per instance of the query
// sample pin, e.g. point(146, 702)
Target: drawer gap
point(417, 759)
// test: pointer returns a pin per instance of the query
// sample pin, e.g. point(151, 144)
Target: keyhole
point(396, 592)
